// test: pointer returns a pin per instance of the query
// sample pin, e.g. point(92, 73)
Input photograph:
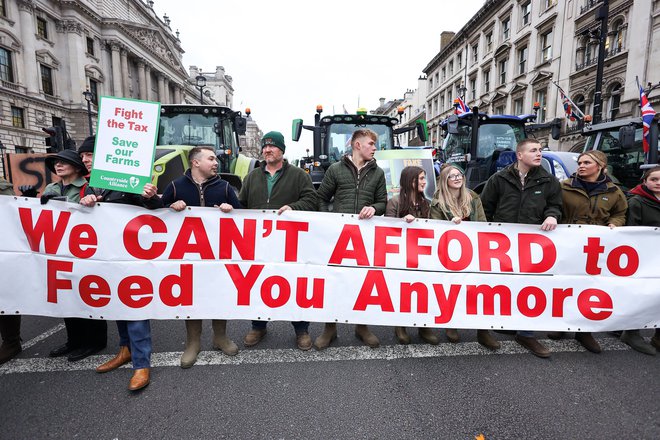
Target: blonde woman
point(453, 201)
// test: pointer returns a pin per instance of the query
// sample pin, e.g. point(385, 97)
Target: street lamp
point(2, 150)
point(88, 97)
point(201, 83)
point(462, 90)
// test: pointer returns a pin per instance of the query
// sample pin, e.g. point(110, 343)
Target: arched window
point(615, 37)
point(615, 100)
point(581, 104)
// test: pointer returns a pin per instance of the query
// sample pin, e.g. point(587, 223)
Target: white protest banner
point(122, 262)
point(125, 144)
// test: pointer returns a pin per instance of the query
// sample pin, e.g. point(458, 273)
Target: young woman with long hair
point(453, 201)
point(410, 204)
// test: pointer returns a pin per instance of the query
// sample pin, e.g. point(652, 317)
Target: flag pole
point(577, 109)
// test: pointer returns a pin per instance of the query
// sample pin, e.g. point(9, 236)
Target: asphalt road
point(449, 391)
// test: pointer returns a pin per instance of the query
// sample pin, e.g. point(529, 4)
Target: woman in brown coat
point(454, 202)
point(589, 197)
point(410, 204)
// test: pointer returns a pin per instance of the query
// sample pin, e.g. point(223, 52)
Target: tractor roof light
point(319, 109)
point(362, 111)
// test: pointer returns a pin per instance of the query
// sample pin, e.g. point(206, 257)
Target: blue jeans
point(298, 326)
point(136, 335)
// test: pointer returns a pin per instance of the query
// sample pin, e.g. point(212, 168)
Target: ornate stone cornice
point(25, 5)
point(66, 26)
point(154, 42)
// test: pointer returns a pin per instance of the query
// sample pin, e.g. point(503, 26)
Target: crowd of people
point(523, 193)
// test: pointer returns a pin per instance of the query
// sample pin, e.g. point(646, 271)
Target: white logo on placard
point(133, 181)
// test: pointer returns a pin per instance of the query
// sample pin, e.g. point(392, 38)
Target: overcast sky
point(288, 56)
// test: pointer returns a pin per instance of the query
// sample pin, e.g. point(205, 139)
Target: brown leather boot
point(587, 341)
point(220, 339)
point(254, 336)
point(325, 339)
point(635, 340)
point(452, 335)
point(303, 341)
point(364, 334)
point(123, 357)
point(139, 380)
point(193, 344)
point(485, 338)
point(428, 335)
point(531, 344)
point(401, 335)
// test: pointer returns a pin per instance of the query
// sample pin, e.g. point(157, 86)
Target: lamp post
point(462, 90)
point(2, 150)
point(88, 97)
point(201, 83)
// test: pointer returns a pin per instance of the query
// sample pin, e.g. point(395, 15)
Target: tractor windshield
point(196, 129)
point(493, 136)
point(338, 138)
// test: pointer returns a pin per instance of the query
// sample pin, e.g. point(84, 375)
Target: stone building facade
point(506, 57)
point(52, 52)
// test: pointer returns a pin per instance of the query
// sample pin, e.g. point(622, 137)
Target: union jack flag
point(568, 107)
point(460, 107)
point(647, 117)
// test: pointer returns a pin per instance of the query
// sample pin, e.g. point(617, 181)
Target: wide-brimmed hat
point(68, 156)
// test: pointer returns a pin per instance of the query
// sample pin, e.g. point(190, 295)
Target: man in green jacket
point(357, 184)
point(525, 193)
point(277, 185)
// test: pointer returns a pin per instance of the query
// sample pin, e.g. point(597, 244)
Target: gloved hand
point(28, 190)
point(46, 198)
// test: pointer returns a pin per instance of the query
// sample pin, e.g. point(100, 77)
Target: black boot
point(10, 330)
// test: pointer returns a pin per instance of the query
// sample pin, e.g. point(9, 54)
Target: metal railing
point(588, 5)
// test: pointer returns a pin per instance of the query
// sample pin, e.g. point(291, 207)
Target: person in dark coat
point(10, 325)
point(134, 336)
point(201, 186)
point(644, 210)
point(277, 185)
point(525, 193)
point(356, 185)
point(84, 337)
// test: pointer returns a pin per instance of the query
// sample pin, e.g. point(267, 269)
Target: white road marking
point(42, 336)
point(286, 355)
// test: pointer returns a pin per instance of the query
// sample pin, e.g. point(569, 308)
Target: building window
point(47, 80)
point(94, 90)
point(444, 74)
point(486, 80)
point(435, 106)
point(522, 60)
point(442, 103)
point(499, 110)
point(22, 150)
point(614, 101)
point(579, 101)
point(3, 9)
point(489, 42)
point(42, 28)
point(473, 89)
point(459, 61)
point(549, 3)
point(526, 12)
point(506, 28)
point(17, 119)
point(451, 68)
point(503, 66)
point(541, 99)
point(475, 52)
point(6, 67)
point(518, 106)
point(437, 82)
point(90, 46)
point(431, 83)
point(546, 46)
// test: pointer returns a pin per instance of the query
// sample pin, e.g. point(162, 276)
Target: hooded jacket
point(643, 208)
point(353, 189)
point(603, 204)
point(293, 187)
point(73, 191)
point(505, 200)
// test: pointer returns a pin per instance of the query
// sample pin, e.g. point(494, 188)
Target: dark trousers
point(298, 326)
point(10, 329)
point(82, 332)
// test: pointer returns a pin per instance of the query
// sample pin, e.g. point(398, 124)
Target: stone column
point(125, 80)
point(116, 70)
point(76, 77)
point(177, 94)
point(30, 74)
point(161, 89)
point(142, 80)
point(147, 74)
